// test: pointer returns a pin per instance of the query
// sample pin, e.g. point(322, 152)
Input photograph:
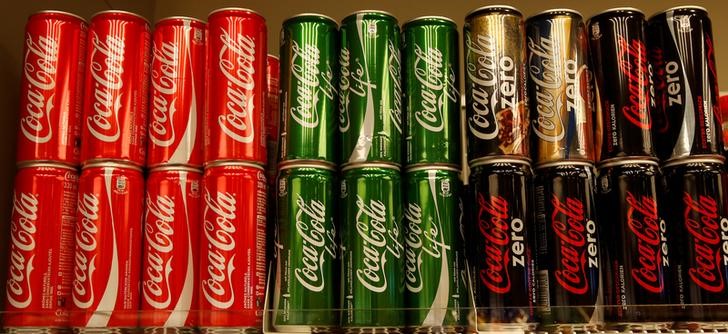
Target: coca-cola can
point(108, 235)
point(695, 211)
point(232, 246)
point(51, 88)
point(170, 257)
point(177, 92)
point(236, 86)
point(38, 286)
point(619, 58)
point(272, 114)
point(684, 106)
point(114, 122)
point(635, 258)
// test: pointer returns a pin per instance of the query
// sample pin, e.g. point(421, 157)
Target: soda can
point(308, 277)
point(558, 87)
point(370, 90)
point(115, 89)
point(232, 246)
point(170, 256)
point(272, 115)
point(309, 48)
point(503, 253)
point(432, 86)
point(236, 86)
point(619, 57)
point(495, 83)
point(570, 286)
point(695, 213)
point(107, 261)
point(435, 268)
point(51, 88)
point(636, 257)
point(177, 92)
point(683, 77)
point(40, 249)
point(372, 242)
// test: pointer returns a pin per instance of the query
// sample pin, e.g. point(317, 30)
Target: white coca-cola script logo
point(420, 242)
point(317, 243)
point(305, 68)
point(219, 226)
point(158, 235)
point(39, 69)
point(395, 69)
point(165, 73)
point(371, 224)
point(86, 243)
point(107, 58)
point(22, 245)
point(235, 60)
point(437, 85)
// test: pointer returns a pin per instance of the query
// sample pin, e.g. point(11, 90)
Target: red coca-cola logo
point(39, 68)
point(86, 243)
point(23, 227)
point(633, 64)
point(107, 59)
point(158, 232)
point(643, 222)
point(702, 222)
point(493, 226)
point(710, 55)
point(236, 62)
point(165, 73)
point(576, 244)
point(219, 229)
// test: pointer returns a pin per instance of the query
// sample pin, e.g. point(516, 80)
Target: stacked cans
point(563, 152)
point(40, 272)
point(306, 255)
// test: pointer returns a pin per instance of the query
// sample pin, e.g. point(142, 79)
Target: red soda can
point(50, 89)
point(272, 114)
point(115, 89)
point(177, 92)
point(108, 248)
point(236, 85)
point(41, 243)
point(232, 258)
point(171, 247)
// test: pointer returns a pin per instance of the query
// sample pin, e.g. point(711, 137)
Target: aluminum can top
point(235, 10)
point(556, 11)
point(494, 8)
point(382, 13)
point(309, 16)
point(121, 14)
point(177, 18)
point(428, 19)
point(58, 14)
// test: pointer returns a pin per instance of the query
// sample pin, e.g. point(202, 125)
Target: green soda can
point(435, 270)
point(430, 79)
point(372, 249)
point(306, 249)
point(309, 48)
point(370, 91)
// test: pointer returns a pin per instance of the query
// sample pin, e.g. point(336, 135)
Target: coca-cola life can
point(236, 86)
point(108, 248)
point(114, 122)
point(177, 92)
point(51, 88)
point(38, 287)
point(170, 257)
point(232, 246)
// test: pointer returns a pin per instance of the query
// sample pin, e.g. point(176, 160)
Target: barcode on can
point(543, 288)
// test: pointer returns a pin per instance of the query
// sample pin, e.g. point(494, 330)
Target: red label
point(643, 222)
point(493, 226)
point(23, 228)
point(701, 221)
point(633, 64)
point(106, 68)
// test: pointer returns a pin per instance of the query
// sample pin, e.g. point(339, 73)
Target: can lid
point(273, 56)
point(234, 163)
point(369, 165)
point(620, 9)
point(110, 163)
point(499, 159)
point(370, 11)
point(180, 17)
point(707, 158)
point(45, 163)
point(429, 17)
point(235, 9)
point(116, 11)
point(312, 15)
point(493, 8)
point(421, 167)
point(53, 11)
point(693, 7)
point(306, 164)
point(185, 168)
point(628, 160)
point(565, 163)
point(555, 11)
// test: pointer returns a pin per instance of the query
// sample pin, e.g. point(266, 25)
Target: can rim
point(178, 17)
point(236, 9)
point(499, 159)
point(483, 8)
point(421, 167)
point(565, 163)
point(709, 158)
point(424, 17)
point(111, 163)
point(701, 8)
point(557, 10)
point(234, 163)
point(45, 163)
point(310, 14)
point(628, 160)
point(372, 11)
point(370, 165)
point(186, 168)
point(54, 11)
point(306, 164)
point(273, 56)
point(118, 11)
point(619, 9)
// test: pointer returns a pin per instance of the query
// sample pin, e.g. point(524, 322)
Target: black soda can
point(619, 58)
point(569, 276)
point(502, 254)
point(635, 258)
point(684, 86)
point(695, 212)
